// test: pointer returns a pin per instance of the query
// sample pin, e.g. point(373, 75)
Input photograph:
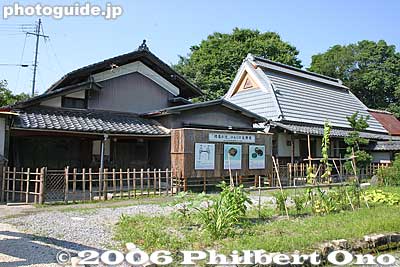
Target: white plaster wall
point(53, 102)
point(2, 135)
point(283, 149)
point(80, 94)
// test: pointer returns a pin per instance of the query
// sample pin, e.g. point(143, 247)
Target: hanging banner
point(204, 156)
point(256, 157)
point(232, 157)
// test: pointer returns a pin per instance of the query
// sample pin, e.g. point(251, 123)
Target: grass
point(272, 234)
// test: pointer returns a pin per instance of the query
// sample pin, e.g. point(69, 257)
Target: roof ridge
point(340, 82)
point(380, 111)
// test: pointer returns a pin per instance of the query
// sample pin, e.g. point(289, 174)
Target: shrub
point(390, 176)
point(300, 202)
point(221, 217)
point(378, 196)
point(281, 198)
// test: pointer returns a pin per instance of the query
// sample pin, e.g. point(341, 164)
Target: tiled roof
point(388, 120)
point(386, 146)
point(286, 93)
point(87, 121)
point(319, 130)
point(219, 102)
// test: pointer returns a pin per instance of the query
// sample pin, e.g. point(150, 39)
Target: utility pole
point(38, 35)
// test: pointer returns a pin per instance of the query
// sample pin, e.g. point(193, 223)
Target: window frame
point(85, 102)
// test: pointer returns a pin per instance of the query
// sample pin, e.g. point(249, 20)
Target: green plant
point(236, 197)
point(187, 203)
point(380, 197)
point(355, 142)
point(323, 203)
point(310, 175)
point(300, 202)
point(325, 150)
point(281, 198)
point(390, 176)
point(220, 217)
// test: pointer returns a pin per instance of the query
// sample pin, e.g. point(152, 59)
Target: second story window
point(71, 102)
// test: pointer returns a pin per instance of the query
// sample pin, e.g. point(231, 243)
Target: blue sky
point(171, 27)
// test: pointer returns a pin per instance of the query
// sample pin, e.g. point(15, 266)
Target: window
point(71, 102)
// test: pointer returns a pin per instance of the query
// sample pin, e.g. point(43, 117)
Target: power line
point(14, 65)
point(35, 64)
point(20, 61)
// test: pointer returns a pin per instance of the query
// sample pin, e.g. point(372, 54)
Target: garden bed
point(272, 232)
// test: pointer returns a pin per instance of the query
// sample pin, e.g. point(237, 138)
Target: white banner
point(229, 137)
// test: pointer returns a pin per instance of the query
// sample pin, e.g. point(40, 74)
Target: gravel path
point(91, 227)
point(33, 237)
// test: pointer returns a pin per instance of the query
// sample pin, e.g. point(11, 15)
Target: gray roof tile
point(386, 146)
point(95, 121)
point(319, 130)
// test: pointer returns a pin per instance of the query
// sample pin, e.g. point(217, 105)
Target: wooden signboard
point(200, 153)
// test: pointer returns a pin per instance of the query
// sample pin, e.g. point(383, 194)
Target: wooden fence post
point(114, 182)
point(3, 185)
point(66, 174)
point(134, 183)
point(14, 181)
point(105, 187)
point(159, 182)
point(141, 182)
point(90, 184)
point(8, 184)
point(166, 180)
point(128, 182)
point(121, 184)
point(74, 185)
point(155, 181)
point(84, 184)
point(36, 200)
point(148, 182)
point(42, 186)
point(27, 185)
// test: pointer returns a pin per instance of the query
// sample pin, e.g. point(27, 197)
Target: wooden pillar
point(42, 187)
point(291, 149)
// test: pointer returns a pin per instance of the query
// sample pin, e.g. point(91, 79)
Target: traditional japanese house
point(117, 113)
point(385, 151)
point(296, 104)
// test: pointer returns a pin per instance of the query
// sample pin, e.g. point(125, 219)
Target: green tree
point(7, 97)
point(370, 69)
point(212, 65)
point(355, 142)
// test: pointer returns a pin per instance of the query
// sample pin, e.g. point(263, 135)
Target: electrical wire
point(22, 57)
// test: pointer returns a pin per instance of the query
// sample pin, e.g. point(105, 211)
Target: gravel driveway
point(92, 227)
point(32, 236)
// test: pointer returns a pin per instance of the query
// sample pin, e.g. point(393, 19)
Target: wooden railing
point(295, 174)
point(42, 185)
point(71, 185)
point(23, 185)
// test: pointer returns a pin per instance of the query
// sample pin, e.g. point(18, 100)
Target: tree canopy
point(212, 65)
point(7, 97)
point(370, 69)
